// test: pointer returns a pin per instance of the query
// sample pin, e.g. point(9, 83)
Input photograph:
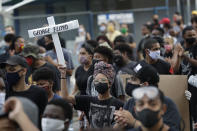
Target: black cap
point(146, 73)
point(17, 60)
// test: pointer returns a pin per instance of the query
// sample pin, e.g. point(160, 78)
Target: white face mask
point(2, 99)
point(154, 54)
point(49, 124)
point(102, 28)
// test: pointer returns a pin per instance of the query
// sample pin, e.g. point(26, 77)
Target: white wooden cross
point(54, 29)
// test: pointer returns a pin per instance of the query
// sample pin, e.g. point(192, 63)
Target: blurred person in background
point(146, 32)
point(112, 32)
point(102, 29)
point(129, 37)
point(101, 39)
point(155, 21)
point(17, 45)
point(2, 88)
point(82, 37)
point(9, 30)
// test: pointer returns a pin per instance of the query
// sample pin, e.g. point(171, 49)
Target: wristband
point(63, 78)
point(134, 123)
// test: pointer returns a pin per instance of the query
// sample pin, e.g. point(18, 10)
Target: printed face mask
point(49, 124)
point(155, 54)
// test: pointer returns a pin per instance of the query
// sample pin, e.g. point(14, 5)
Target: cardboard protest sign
point(174, 87)
point(53, 30)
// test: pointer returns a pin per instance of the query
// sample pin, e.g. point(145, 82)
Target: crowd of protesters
point(36, 92)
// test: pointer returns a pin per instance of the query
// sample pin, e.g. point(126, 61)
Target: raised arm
point(64, 91)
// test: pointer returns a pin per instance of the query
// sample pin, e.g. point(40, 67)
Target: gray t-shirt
point(68, 59)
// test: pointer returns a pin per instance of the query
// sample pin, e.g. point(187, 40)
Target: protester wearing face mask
point(82, 72)
point(17, 45)
point(44, 79)
point(155, 19)
point(103, 39)
point(112, 33)
point(57, 116)
point(16, 69)
point(152, 50)
point(35, 61)
point(129, 37)
point(2, 89)
point(146, 75)
point(98, 109)
point(102, 29)
point(187, 62)
point(168, 47)
point(105, 54)
point(150, 108)
point(122, 59)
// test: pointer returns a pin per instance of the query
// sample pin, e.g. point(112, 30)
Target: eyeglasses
point(102, 80)
point(150, 92)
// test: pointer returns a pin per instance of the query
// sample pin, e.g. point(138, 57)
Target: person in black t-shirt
point(122, 59)
point(152, 50)
point(99, 109)
point(83, 71)
point(187, 63)
point(16, 68)
point(35, 61)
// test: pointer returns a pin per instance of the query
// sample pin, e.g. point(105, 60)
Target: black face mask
point(191, 40)
point(156, 21)
point(178, 22)
point(118, 60)
point(94, 61)
point(101, 88)
point(130, 87)
point(148, 117)
point(12, 78)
